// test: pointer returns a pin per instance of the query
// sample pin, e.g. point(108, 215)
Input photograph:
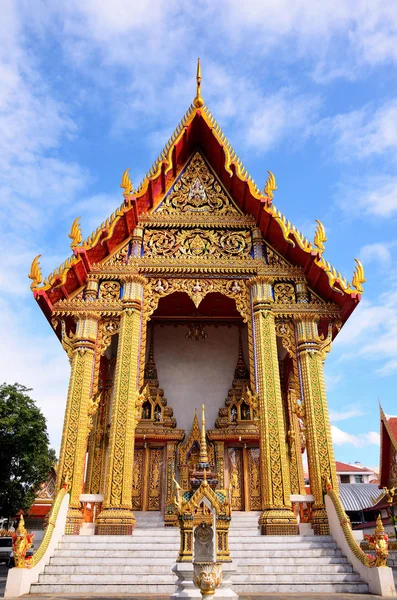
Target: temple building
point(196, 290)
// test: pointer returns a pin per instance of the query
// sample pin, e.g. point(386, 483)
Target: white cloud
point(371, 333)
point(363, 133)
point(350, 411)
point(377, 253)
point(369, 195)
point(342, 438)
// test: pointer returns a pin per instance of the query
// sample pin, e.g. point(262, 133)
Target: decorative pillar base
point(74, 520)
point(320, 521)
point(278, 521)
point(115, 521)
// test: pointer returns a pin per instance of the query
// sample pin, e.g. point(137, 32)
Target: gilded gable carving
point(196, 191)
point(194, 243)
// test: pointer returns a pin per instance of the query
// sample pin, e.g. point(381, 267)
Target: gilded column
point(78, 414)
point(318, 430)
point(117, 517)
point(277, 517)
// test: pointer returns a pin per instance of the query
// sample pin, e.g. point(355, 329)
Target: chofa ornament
point(207, 577)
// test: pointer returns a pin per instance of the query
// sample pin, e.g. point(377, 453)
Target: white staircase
point(137, 564)
point(290, 564)
point(142, 563)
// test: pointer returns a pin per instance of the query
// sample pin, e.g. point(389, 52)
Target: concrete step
point(243, 544)
point(112, 553)
point(113, 560)
point(164, 545)
point(238, 554)
point(319, 587)
point(297, 561)
point(278, 578)
point(112, 589)
point(108, 578)
point(313, 569)
point(137, 569)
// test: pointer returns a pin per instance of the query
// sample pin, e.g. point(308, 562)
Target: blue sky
point(305, 89)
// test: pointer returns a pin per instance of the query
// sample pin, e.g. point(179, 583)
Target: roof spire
point(198, 102)
point(203, 442)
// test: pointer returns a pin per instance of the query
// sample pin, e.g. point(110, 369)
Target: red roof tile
point(340, 466)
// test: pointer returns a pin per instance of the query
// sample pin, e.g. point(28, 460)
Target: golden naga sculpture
point(35, 273)
point(270, 186)
point(198, 102)
point(21, 542)
point(319, 237)
point(75, 234)
point(358, 277)
point(126, 183)
point(380, 543)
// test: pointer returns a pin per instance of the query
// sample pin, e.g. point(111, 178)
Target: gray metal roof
point(356, 496)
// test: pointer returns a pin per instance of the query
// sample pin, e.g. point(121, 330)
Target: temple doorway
point(147, 478)
point(244, 478)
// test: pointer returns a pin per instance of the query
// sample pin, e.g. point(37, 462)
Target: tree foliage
point(25, 455)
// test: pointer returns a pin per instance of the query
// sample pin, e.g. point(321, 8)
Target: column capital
point(262, 292)
point(133, 286)
point(86, 330)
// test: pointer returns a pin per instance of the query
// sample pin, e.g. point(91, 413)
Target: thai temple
point(198, 291)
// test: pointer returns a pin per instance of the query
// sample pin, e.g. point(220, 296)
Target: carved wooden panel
point(155, 475)
point(254, 479)
point(236, 477)
point(137, 478)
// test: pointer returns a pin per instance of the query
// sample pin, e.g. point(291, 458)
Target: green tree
point(25, 455)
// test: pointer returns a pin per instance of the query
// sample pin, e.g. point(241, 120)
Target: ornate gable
point(199, 202)
point(198, 190)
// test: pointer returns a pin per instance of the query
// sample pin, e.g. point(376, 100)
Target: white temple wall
point(192, 373)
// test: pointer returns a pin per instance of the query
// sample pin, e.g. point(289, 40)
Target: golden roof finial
point(358, 277)
point(35, 273)
point(319, 237)
point(270, 186)
point(203, 441)
point(126, 183)
point(75, 234)
point(198, 102)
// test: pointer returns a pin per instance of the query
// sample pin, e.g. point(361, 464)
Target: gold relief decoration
point(67, 340)
point(109, 290)
point(137, 478)
point(35, 273)
point(109, 328)
point(75, 234)
point(196, 332)
point(284, 293)
point(195, 243)
point(254, 479)
point(235, 478)
point(119, 258)
point(155, 476)
point(197, 289)
point(197, 190)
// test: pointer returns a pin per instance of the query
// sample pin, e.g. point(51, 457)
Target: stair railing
point(28, 569)
point(372, 569)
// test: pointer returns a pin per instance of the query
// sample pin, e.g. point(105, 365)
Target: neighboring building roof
point(199, 129)
point(357, 496)
point(345, 468)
